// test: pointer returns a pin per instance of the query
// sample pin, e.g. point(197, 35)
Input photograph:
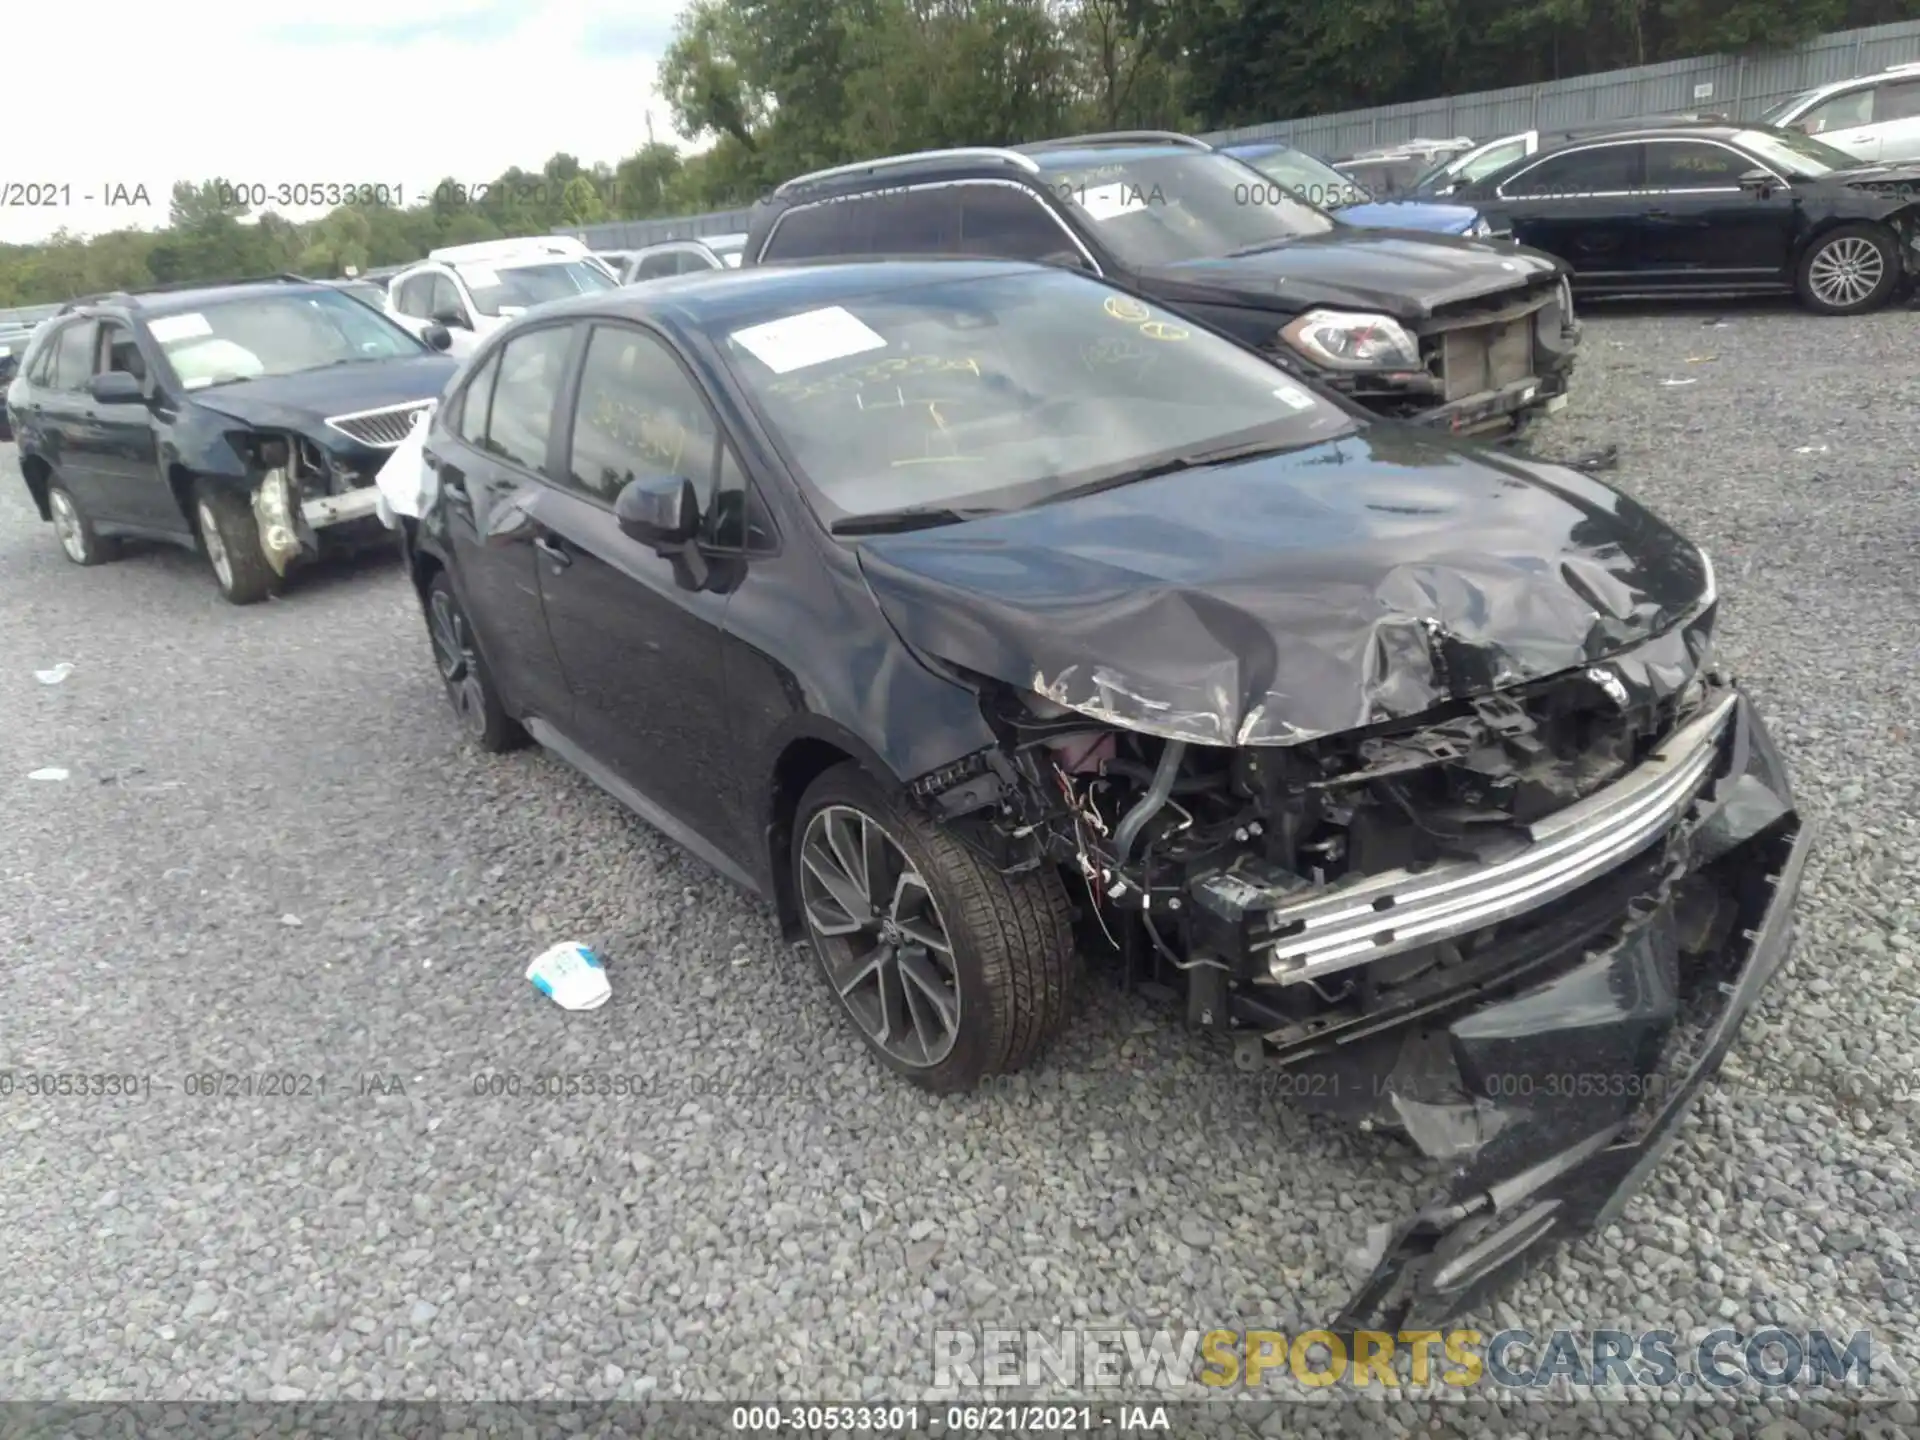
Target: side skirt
point(674, 829)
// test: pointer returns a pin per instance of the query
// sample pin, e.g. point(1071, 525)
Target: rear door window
point(828, 227)
point(410, 296)
point(73, 356)
point(531, 367)
point(1604, 169)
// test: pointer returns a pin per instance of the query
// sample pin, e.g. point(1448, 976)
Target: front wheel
point(950, 971)
point(231, 538)
point(1849, 270)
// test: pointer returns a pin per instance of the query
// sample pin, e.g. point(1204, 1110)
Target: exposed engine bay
point(1448, 915)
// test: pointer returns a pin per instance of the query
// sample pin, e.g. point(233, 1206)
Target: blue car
point(1321, 184)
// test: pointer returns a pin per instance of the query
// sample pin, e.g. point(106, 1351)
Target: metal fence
point(631, 234)
point(1738, 85)
point(27, 314)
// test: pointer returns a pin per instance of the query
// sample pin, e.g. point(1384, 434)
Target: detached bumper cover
point(1555, 1103)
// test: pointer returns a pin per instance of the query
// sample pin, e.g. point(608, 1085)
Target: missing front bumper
point(1554, 1103)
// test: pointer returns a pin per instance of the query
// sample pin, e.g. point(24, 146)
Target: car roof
point(1910, 69)
point(189, 298)
point(1682, 130)
point(704, 299)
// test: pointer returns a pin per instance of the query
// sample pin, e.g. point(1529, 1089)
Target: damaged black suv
point(246, 420)
point(982, 617)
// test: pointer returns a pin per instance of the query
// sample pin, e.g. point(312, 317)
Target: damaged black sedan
point(981, 616)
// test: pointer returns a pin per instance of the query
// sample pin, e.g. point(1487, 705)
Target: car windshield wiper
point(1191, 460)
point(911, 517)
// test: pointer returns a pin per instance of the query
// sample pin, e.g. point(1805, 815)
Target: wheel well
point(180, 481)
point(423, 567)
point(800, 764)
point(37, 473)
point(1835, 222)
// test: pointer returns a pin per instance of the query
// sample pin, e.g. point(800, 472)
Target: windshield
point(1797, 154)
point(279, 334)
point(996, 393)
point(496, 290)
point(1156, 209)
point(1774, 116)
point(1314, 181)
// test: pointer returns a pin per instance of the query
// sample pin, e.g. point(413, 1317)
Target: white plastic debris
point(291, 921)
point(571, 976)
point(52, 772)
point(56, 674)
point(1809, 449)
point(405, 483)
point(1690, 380)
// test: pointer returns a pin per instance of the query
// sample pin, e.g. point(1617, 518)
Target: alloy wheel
point(66, 525)
point(459, 661)
point(1846, 271)
point(880, 935)
point(216, 544)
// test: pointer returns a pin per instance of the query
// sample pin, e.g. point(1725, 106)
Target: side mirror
point(116, 387)
point(437, 336)
point(661, 511)
point(450, 318)
point(1758, 182)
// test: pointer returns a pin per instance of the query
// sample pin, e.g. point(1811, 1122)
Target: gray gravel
point(272, 853)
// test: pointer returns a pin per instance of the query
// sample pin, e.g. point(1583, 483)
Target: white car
point(475, 289)
point(1875, 117)
point(682, 257)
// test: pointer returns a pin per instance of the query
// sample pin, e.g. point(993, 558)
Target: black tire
point(230, 539)
point(463, 671)
point(79, 541)
point(1840, 261)
point(1013, 961)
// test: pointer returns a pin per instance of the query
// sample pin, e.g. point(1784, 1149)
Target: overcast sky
point(395, 92)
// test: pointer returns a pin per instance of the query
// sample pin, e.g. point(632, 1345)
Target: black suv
point(1472, 336)
point(247, 420)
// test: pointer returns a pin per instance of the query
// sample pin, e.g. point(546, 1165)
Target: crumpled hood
point(1274, 600)
point(303, 401)
point(1410, 215)
point(1403, 273)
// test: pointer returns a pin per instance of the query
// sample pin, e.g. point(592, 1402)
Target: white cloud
point(393, 92)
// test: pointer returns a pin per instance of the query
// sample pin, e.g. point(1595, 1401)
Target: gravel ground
point(274, 855)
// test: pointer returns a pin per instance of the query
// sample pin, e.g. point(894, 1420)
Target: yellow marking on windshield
point(1125, 307)
point(1161, 330)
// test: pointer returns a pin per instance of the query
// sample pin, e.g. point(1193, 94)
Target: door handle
point(554, 550)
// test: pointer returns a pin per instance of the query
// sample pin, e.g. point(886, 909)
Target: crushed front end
point(1487, 366)
point(311, 493)
point(1520, 929)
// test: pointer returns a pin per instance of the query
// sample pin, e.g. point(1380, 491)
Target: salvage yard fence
point(1741, 86)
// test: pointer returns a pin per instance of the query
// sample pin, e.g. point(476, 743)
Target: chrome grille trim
point(383, 428)
point(1348, 927)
